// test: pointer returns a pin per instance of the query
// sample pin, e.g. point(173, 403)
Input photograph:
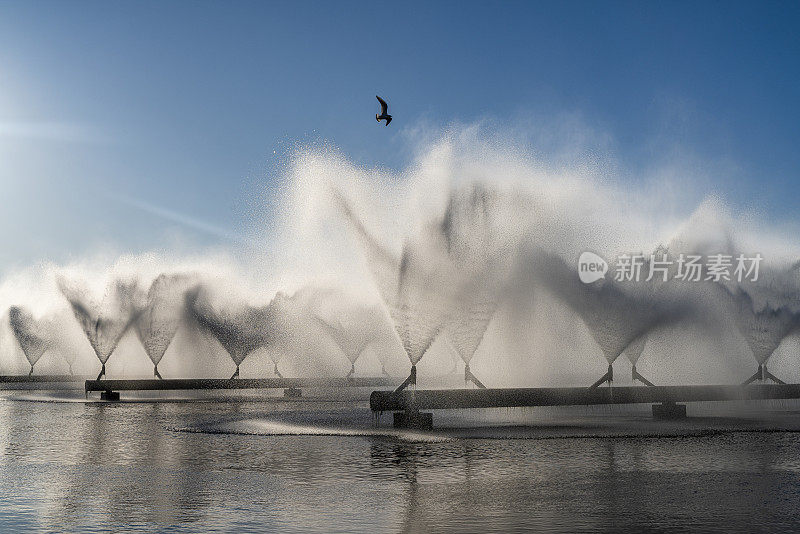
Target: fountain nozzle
point(762, 375)
point(636, 376)
point(469, 377)
point(608, 377)
point(410, 381)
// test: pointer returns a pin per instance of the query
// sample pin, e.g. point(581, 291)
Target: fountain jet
point(106, 322)
point(465, 330)
point(633, 352)
point(243, 329)
point(407, 289)
point(616, 316)
point(354, 326)
point(763, 328)
point(447, 277)
point(31, 334)
point(347, 340)
point(161, 314)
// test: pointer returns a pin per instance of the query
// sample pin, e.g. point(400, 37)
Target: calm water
point(315, 465)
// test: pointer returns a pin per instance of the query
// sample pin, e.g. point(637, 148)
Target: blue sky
point(115, 114)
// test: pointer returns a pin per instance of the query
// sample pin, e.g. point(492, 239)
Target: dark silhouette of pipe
point(457, 399)
point(277, 373)
point(352, 370)
point(608, 377)
point(636, 376)
point(102, 372)
point(762, 375)
point(469, 377)
point(236, 373)
point(411, 380)
point(156, 373)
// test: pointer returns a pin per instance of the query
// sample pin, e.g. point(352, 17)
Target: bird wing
point(388, 120)
point(384, 106)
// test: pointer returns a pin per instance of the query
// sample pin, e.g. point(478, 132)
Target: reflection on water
point(100, 467)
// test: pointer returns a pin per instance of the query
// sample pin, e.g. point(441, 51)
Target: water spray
point(633, 352)
point(106, 322)
point(160, 314)
point(619, 315)
point(408, 289)
point(241, 329)
point(30, 333)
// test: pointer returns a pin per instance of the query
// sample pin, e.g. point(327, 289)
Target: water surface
point(256, 464)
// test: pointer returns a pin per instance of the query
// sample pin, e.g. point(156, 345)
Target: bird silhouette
point(383, 116)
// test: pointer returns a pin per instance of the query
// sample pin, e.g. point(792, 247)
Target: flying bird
point(383, 116)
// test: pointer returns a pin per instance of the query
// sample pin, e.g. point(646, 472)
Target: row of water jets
point(451, 284)
point(175, 300)
point(485, 249)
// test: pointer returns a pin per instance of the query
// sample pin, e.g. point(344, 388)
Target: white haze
point(448, 249)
